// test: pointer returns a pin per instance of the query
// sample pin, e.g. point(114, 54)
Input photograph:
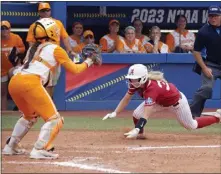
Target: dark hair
point(32, 51)
point(76, 23)
point(137, 19)
point(180, 16)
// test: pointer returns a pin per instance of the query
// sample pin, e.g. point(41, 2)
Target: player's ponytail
point(156, 75)
point(32, 51)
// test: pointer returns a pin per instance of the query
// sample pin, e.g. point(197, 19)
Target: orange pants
point(31, 97)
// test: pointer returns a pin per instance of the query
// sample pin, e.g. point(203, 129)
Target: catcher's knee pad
point(206, 91)
point(20, 130)
point(49, 131)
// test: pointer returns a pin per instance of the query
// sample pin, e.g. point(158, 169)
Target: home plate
point(209, 113)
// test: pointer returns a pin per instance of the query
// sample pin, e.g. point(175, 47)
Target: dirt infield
point(109, 152)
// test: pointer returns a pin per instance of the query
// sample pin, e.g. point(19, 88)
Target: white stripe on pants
point(182, 112)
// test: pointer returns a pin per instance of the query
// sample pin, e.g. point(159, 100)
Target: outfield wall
point(101, 88)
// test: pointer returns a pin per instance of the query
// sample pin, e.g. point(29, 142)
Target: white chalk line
point(172, 147)
point(95, 151)
point(137, 149)
point(75, 164)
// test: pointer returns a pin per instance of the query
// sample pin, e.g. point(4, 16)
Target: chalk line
point(172, 147)
point(74, 165)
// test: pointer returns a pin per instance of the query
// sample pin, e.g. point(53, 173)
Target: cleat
point(218, 114)
point(218, 111)
point(10, 151)
point(51, 148)
point(42, 154)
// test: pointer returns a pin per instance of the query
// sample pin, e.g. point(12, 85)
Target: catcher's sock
point(135, 122)
point(206, 121)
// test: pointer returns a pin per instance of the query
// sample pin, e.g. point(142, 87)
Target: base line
point(172, 147)
point(72, 164)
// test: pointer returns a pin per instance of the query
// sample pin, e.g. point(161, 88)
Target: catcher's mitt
point(13, 57)
point(93, 52)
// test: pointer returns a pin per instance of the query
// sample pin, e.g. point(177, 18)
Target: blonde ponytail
point(156, 75)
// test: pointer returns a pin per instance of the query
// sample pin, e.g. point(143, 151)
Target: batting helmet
point(137, 72)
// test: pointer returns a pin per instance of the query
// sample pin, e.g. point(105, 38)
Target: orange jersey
point(63, 33)
point(47, 58)
point(6, 47)
point(123, 46)
point(143, 39)
point(162, 47)
point(107, 42)
point(78, 48)
point(176, 38)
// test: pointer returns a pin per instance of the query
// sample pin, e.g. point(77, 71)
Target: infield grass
point(116, 124)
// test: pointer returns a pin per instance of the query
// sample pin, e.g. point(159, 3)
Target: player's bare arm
point(205, 69)
point(123, 103)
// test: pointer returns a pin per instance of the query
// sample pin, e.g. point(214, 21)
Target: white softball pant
point(182, 112)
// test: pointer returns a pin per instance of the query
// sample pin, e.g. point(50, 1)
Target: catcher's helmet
point(46, 28)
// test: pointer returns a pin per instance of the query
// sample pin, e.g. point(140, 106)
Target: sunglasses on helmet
point(4, 28)
point(45, 10)
point(89, 36)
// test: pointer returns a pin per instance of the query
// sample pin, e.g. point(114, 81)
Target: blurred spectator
point(108, 42)
point(180, 40)
point(138, 25)
point(155, 45)
point(44, 11)
point(76, 38)
point(11, 46)
point(88, 39)
point(130, 44)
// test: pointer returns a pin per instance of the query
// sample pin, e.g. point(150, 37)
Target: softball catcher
point(27, 89)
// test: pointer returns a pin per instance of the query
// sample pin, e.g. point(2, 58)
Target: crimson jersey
point(159, 92)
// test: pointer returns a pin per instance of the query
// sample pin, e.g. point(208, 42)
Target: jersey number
point(162, 84)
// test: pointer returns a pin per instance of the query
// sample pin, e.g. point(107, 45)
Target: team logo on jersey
point(149, 101)
point(131, 72)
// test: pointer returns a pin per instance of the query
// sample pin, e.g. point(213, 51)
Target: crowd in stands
point(134, 41)
point(180, 40)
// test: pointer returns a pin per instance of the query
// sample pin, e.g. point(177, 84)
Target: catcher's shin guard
point(13, 147)
point(48, 132)
point(20, 130)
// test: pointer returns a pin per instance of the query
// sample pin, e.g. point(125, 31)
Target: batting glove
point(133, 133)
point(110, 115)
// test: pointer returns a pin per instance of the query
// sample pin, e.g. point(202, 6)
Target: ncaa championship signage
point(164, 17)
